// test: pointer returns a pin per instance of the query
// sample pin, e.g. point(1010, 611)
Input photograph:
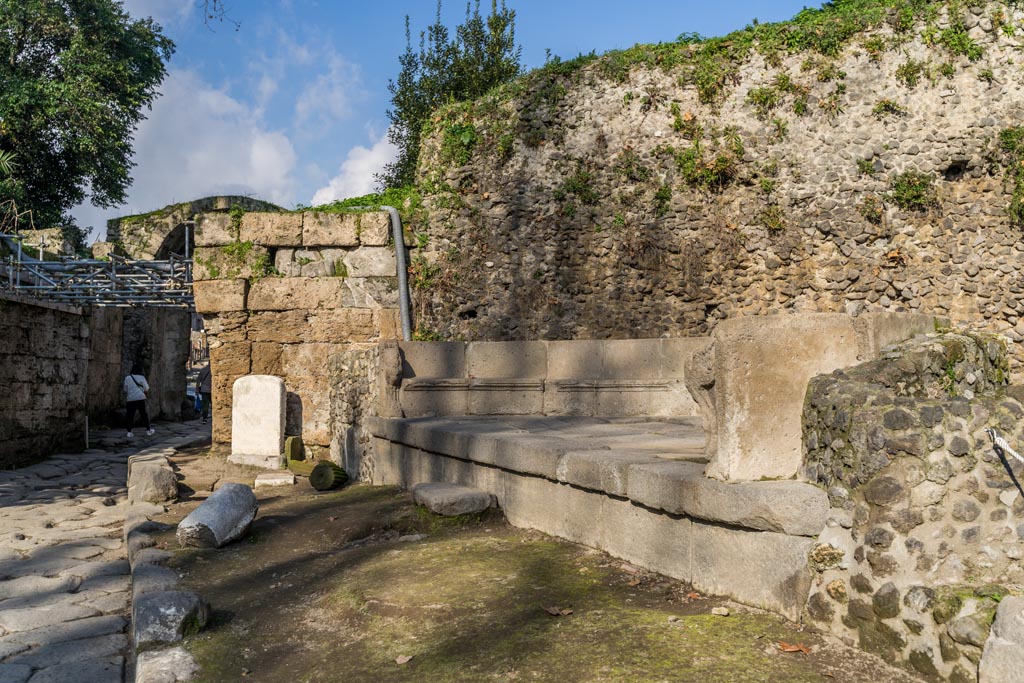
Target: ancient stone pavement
point(64, 575)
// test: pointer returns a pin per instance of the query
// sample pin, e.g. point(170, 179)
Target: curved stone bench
point(634, 488)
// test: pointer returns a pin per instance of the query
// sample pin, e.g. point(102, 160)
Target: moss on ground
point(336, 587)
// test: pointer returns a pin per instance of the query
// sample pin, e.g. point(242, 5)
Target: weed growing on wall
point(886, 108)
point(913, 191)
point(1010, 153)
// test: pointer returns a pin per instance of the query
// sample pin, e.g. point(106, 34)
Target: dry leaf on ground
point(794, 647)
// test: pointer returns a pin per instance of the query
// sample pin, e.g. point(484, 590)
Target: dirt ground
point(359, 585)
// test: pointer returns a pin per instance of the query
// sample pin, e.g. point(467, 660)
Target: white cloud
point(327, 99)
point(164, 12)
point(355, 177)
point(199, 141)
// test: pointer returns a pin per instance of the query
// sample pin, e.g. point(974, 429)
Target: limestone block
point(257, 421)
point(451, 500)
point(230, 359)
point(330, 229)
point(282, 327)
point(374, 228)
point(231, 262)
point(339, 325)
point(214, 230)
point(283, 294)
point(789, 507)
point(574, 360)
point(167, 617)
point(427, 397)
point(433, 359)
point(1003, 657)
point(373, 292)
point(750, 384)
point(389, 323)
point(103, 250)
point(152, 483)
point(266, 358)
point(506, 359)
point(272, 229)
point(370, 262)
point(223, 517)
point(505, 397)
point(217, 296)
point(170, 665)
point(762, 568)
point(268, 479)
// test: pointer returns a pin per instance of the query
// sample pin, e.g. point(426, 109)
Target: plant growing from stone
point(913, 191)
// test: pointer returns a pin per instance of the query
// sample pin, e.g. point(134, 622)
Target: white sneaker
point(129, 435)
point(150, 432)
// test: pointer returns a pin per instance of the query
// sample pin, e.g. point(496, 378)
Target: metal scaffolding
point(118, 281)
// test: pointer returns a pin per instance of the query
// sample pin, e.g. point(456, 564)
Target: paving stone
point(73, 651)
point(110, 603)
point(32, 585)
point(14, 673)
point(107, 584)
point(266, 479)
point(47, 615)
point(38, 567)
point(90, 627)
point(106, 568)
point(9, 649)
point(109, 670)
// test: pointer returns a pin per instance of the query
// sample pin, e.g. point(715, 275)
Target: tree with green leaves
point(482, 54)
point(75, 77)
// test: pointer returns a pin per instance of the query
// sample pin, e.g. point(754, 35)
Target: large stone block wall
point(925, 531)
point(301, 296)
point(105, 372)
point(48, 353)
point(576, 215)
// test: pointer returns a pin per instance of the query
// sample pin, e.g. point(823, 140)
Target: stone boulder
point(223, 517)
point(165, 617)
point(451, 500)
point(1003, 657)
point(152, 483)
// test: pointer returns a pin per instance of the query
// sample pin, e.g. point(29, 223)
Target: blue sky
point(291, 107)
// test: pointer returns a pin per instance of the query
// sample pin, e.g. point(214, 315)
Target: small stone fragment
point(720, 611)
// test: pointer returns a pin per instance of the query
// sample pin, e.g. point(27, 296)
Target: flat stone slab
point(107, 670)
point(657, 463)
point(451, 500)
point(257, 421)
point(275, 479)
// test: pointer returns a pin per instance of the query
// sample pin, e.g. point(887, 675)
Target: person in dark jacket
point(203, 388)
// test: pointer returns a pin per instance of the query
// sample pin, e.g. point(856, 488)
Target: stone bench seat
point(658, 464)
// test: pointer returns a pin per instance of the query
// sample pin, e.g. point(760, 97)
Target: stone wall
point(612, 201)
point(48, 353)
point(159, 339)
point(925, 532)
point(301, 296)
point(105, 372)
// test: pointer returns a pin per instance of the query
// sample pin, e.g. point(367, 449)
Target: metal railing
point(118, 281)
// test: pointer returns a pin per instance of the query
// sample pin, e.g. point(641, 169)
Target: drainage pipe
point(404, 307)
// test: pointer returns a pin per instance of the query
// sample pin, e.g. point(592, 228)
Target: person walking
point(203, 388)
point(135, 388)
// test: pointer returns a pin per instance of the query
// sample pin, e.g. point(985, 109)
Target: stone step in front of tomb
point(634, 488)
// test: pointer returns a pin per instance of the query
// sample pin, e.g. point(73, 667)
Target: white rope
point(1000, 443)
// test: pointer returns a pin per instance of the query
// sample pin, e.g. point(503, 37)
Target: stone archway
point(160, 233)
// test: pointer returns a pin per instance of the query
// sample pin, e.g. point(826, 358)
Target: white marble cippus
point(257, 421)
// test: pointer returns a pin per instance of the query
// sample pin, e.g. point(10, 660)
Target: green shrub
point(887, 108)
point(764, 100)
point(910, 72)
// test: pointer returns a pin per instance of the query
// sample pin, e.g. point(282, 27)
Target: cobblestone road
point(64, 575)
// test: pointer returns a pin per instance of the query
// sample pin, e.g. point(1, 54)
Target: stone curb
point(154, 599)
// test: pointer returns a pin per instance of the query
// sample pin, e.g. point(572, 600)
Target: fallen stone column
point(223, 517)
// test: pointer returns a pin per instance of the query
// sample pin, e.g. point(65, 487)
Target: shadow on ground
point(343, 586)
